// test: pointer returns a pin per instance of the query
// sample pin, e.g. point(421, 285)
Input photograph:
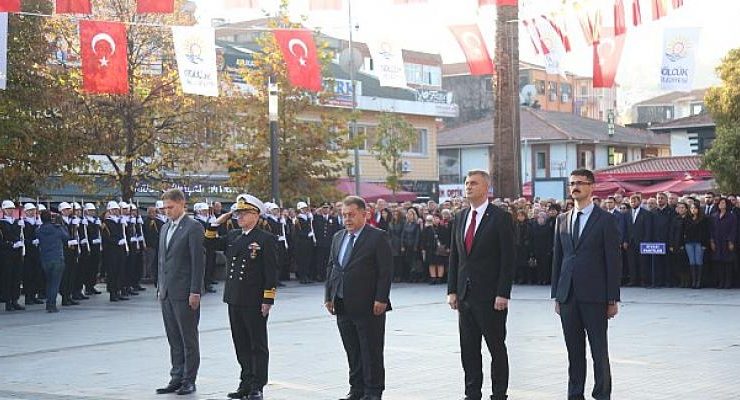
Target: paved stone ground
point(665, 344)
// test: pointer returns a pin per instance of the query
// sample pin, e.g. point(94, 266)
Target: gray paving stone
point(665, 344)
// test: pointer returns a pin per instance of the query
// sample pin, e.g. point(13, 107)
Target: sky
point(425, 28)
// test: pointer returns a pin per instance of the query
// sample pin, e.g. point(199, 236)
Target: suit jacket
point(590, 270)
point(487, 272)
point(641, 230)
point(662, 220)
point(324, 229)
point(622, 225)
point(182, 263)
point(368, 274)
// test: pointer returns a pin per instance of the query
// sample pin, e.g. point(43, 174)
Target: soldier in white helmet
point(71, 253)
point(210, 244)
point(115, 248)
point(33, 275)
point(91, 249)
point(82, 254)
point(304, 242)
point(11, 253)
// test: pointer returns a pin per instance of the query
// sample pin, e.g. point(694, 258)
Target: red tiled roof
point(664, 164)
point(673, 96)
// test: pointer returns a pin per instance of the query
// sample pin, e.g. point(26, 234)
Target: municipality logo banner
point(679, 58)
point(195, 49)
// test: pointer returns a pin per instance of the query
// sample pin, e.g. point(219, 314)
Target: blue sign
point(657, 249)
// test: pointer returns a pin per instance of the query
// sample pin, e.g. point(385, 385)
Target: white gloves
point(21, 223)
point(18, 244)
point(310, 234)
point(122, 242)
point(72, 242)
point(139, 221)
point(96, 241)
point(76, 221)
point(83, 241)
point(84, 221)
point(35, 242)
point(97, 222)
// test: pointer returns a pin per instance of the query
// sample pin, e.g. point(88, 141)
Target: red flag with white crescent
point(73, 7)
point(471, 41)
point(301, 58)
point(10, 5)
point(607, 54)
point(155, 6)
point(560, 30)
point(103, 47)
point(530, 31)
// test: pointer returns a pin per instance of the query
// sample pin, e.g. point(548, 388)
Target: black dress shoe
point(18, 306)
point(255, 395)
point(353, 396)
point(186, 388)
point(113, 297)
point(139, 288)
point(280, 284)
point(52, 309)
point(240, 393)
point(124, 298)
point(37, 301)
point(371, 397)
point(133, 293)
point(9, 307)
point(171, 388)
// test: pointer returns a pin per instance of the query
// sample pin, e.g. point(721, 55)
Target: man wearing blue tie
point(358, 285)
point(586, 272)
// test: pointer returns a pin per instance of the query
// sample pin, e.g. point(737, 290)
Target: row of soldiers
point(114, 244)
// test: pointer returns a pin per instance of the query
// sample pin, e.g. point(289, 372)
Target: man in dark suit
point(482, 256)
point(663, 217)
point(249, 290)
point(640, 231)
point(180, 284)
point(358, 285)
point(586, 272)
point(324, 226)
point(710, 208)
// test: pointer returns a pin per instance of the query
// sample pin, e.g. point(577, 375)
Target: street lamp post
point(272, 109)
point(353, 122)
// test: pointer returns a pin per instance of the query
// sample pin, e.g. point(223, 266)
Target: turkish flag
point(322, 5)
point(590, 22)
point(10, 5)
point(660, 9)
point(155, 6)
point(619, 26)
point(104, 62)
point(562, 33)
point(301, 58)
point(636, 13)
point(471, 41)
point(73, 7)
point(530, 31)
point(607, 54)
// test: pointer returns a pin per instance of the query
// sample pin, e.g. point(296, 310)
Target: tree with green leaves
point(393, 136)
point(723, 103)
point(312, 139)
point(36, 137)
point(156, 133)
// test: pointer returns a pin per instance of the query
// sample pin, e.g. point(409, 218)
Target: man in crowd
point(12, 252)
point(663, 217)
point(305, 242)
point(324, 226)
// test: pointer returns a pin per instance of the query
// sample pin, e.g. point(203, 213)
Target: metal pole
point(272, 106)
point(353, 122)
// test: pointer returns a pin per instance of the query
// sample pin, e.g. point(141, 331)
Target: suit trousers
point(249, 333)
point(476, 321)
point(321, 260)
point(181, 326)
point(580, 320)
point(12, 273)
point(639, 267)
point(113, 259)
point(71, 271)
point(363, 338)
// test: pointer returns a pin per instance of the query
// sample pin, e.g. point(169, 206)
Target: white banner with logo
point(388, 62)
point(195, 48)
point(3, 50)
point(679, 58)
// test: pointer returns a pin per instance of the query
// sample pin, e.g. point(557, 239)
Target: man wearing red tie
point(479, 285)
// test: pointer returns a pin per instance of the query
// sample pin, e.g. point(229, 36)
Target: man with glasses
point(249, 290)
point(586, 273)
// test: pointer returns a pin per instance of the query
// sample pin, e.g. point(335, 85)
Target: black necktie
point(348, 251)
point(577, 228)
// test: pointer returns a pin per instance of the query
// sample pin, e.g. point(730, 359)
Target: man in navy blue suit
point(586, 272)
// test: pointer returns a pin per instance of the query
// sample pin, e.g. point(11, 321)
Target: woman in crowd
point(697, 240)
point(542, 239)
point(724, 230)
point(523, 251)
point(410, 246)
point(433, 250)
point(395, 230)
point(444, 230)
point(679, 262)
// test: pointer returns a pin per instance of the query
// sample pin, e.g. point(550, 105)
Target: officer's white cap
point(64, 206)
point(112, 205)
point(123, 205)
point(76, 205)
point(42, 207)
point(29, 206)
point(248, 202)
point(8, 204)
point(301, 205)
point(90, 207)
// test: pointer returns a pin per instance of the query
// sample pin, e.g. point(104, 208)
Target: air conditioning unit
point(405, 166)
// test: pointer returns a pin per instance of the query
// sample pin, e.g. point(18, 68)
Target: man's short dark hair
point(709, 194)
point(46, 216)
point(611, 198)
point(356, 200)
point(174, 195)
point(584, 172)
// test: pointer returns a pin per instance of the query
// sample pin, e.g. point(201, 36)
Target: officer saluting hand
point(251, 256)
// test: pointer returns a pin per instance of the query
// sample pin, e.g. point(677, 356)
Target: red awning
point(371, 192)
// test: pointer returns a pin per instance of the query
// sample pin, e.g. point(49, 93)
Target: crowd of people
point(119, 244)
